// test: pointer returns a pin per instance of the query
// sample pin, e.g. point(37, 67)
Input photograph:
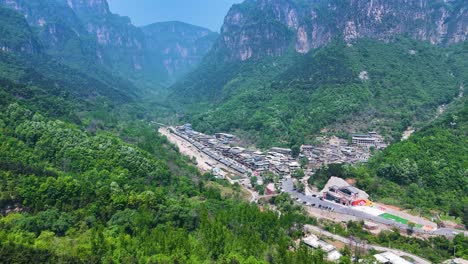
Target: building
point(343, 195)
point(307, 148)
point(226, 138)
point(218, 173)
point(340, 191)
point(313, 242)
point(390, 258)
point(284, 151)
point(235, 151)
point(281, 170)
point(270, 189)
point(186, 127)
point(261, 166)
point(364, 140)
point(222, 148)
point(294, 166)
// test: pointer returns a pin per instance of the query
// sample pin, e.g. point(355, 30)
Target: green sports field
point(397, 219)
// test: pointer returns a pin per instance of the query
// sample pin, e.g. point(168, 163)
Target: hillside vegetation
point(345, 88)
point(427, 171)
point(84, 178)
point(73, 191)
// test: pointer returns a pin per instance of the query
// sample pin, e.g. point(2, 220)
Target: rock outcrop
point(80, 32)
point(258, 28)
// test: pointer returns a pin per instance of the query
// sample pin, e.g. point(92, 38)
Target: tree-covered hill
point(30, 75)
point(427, 171)
point(366, 85)
point(74, 193)
point(69, 196)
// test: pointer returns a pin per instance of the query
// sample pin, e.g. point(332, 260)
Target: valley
point(291, 132)
point(211, 158)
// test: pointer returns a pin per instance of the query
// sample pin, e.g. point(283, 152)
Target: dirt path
point(407, 133)
point(189, 150)
point(204, 162)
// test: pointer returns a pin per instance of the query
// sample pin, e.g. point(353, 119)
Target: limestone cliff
point(258, 28)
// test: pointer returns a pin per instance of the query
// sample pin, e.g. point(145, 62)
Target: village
point(222, 147)
point(266, 174)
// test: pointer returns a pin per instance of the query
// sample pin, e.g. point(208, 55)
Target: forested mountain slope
point(69, 196)
point(344, 88)
point(71, 193)
point(428, 171)
point(282, 70)
point(87, 36)
point(31, 75)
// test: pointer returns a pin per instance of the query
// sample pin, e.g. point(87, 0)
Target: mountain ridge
point(305, 25)
point(261, 58)
point(84, 32)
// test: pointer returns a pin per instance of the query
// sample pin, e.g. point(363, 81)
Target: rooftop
point(389, 257)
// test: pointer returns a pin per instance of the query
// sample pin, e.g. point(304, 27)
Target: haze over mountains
point(79, 33)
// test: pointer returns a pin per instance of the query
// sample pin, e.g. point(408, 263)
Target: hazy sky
point(205, 13)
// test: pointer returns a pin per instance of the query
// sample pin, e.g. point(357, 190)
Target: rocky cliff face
point(258, 28)
point(177, 47)
point(121, 44)
point(80, 32)
point(89, 7)
point(60, 30)
point(15, 34)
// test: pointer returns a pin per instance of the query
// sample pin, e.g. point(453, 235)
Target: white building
point(313, 242)
point(390, 258)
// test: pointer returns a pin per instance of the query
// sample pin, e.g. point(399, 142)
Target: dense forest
point(344, 88)
point(85, 179)
point(72, 196)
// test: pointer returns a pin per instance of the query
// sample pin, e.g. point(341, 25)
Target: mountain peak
point(258, 28)
point(87, 7)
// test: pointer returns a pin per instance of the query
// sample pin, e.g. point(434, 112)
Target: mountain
point(86, 35)
point(73, 190)
point(284, 70)
point(16, 34)
point(59, 30)
point(121, 45)
point(71, 193)
point(258, 28)
point(30, 75)
point(177, 47)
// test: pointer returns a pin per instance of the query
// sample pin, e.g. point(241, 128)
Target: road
point(188, 149)
point(315, 229)
point(287, 186)
point(308, 200)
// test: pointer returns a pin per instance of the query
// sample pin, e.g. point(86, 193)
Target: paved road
point(418, 260)
point(288, 187)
